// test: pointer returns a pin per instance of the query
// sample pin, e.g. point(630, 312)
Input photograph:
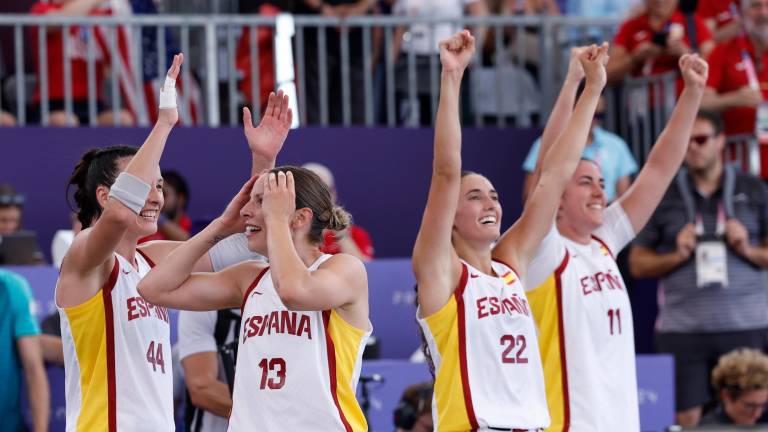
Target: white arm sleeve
point(547, 259)
point(616, 230)
point(196, 333)
point(232, 250)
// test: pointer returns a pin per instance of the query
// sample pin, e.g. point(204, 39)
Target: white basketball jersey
point(586, 330)
point(485, 351)
point(296, 370)
point(117, 358)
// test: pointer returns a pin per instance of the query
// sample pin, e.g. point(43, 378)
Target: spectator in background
point(652, 43)
point(20, 350)
point(63, 239)
point(339, 9)
point(707, 244)
point(422, 41)
point(173, 223)
point(741, 382)
point(730, 90)
point(11, 204)
point(354, 240)
point(719, 17)
point(78, 54)
point(608, 150)
point(414, 411)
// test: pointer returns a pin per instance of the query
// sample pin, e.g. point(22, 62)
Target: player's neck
point(478, 257)
point(574, 234)
point(127, 249)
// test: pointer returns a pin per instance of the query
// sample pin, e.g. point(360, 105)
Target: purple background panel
point(382, 175)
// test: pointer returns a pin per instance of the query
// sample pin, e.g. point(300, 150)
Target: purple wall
point(382, 175)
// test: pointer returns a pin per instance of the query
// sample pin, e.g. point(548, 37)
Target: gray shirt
point(683, 307)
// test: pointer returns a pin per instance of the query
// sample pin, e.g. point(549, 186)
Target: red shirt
point(638, 30)
point(78, 54)
point(727, 72)
point(359, 236)
point(718, 10)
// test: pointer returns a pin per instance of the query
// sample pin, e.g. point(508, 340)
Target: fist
point(695, 71)
point(593, 60)
point(686, 241)
point(457, 51)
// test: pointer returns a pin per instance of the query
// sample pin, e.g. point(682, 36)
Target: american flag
point(141, 100)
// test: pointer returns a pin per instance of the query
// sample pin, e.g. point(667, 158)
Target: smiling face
point(583, 202)
point(478, 215)
point(146, 220)
point(255, 228)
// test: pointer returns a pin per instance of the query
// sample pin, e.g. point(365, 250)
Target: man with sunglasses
point(707, 242)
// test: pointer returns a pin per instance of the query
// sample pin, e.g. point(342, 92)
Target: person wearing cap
point(708, 244)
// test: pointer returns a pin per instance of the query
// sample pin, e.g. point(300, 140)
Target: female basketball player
point(305, 315)
point(116, 344)
point(473, 309)
point(577, 295)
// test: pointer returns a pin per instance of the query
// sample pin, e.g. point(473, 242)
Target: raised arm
point(171, 283)
point(340, 283)
point(560, 114)
point(90, 255)
point(435, 263)
point(668, 152)
point(518, 244)
point(266, 140)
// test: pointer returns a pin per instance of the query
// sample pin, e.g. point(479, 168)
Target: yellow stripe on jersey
point(347, 341)
point(87, 323)
point(544, 305)
point(449, 390)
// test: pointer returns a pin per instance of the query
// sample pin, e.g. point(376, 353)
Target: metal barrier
point(744, 151)
point(526, 56)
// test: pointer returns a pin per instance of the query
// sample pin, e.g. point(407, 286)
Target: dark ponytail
point(96, 167)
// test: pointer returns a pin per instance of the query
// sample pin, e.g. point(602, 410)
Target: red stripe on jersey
point(603, 244)
point(459, 293)
point(146, 257)
point(251, 288)
point(106, 292)
point(331, 350)
point(561, 328)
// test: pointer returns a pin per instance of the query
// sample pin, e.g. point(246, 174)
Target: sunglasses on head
point(700, 139)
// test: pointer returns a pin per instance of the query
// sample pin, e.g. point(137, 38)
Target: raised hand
point(457, 51)
point(279, 200)
point(575, 70)
point(170, 115)
point(267, 139)
point(593, 60)
point(230, 219)
point(695, 71)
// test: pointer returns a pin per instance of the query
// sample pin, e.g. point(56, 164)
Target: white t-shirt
point(196, 329)
point(584, 319)
point(420, 38)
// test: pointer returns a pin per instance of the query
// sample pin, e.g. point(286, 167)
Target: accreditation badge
point(711, 264)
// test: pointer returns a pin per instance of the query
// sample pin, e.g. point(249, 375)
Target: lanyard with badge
point(711, 255)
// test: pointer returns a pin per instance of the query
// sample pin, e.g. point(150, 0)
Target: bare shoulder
point(157, 250)
point(347, 266)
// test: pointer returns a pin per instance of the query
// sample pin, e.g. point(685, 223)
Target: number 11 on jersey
point(614, 321)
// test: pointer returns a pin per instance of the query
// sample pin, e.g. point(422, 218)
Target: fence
point(338, 71)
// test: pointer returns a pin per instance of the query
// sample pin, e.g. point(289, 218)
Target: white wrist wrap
point(168, 93)
point(131, 191)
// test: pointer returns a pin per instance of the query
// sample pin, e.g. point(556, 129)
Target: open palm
point(267, 139)
point(171, 115)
